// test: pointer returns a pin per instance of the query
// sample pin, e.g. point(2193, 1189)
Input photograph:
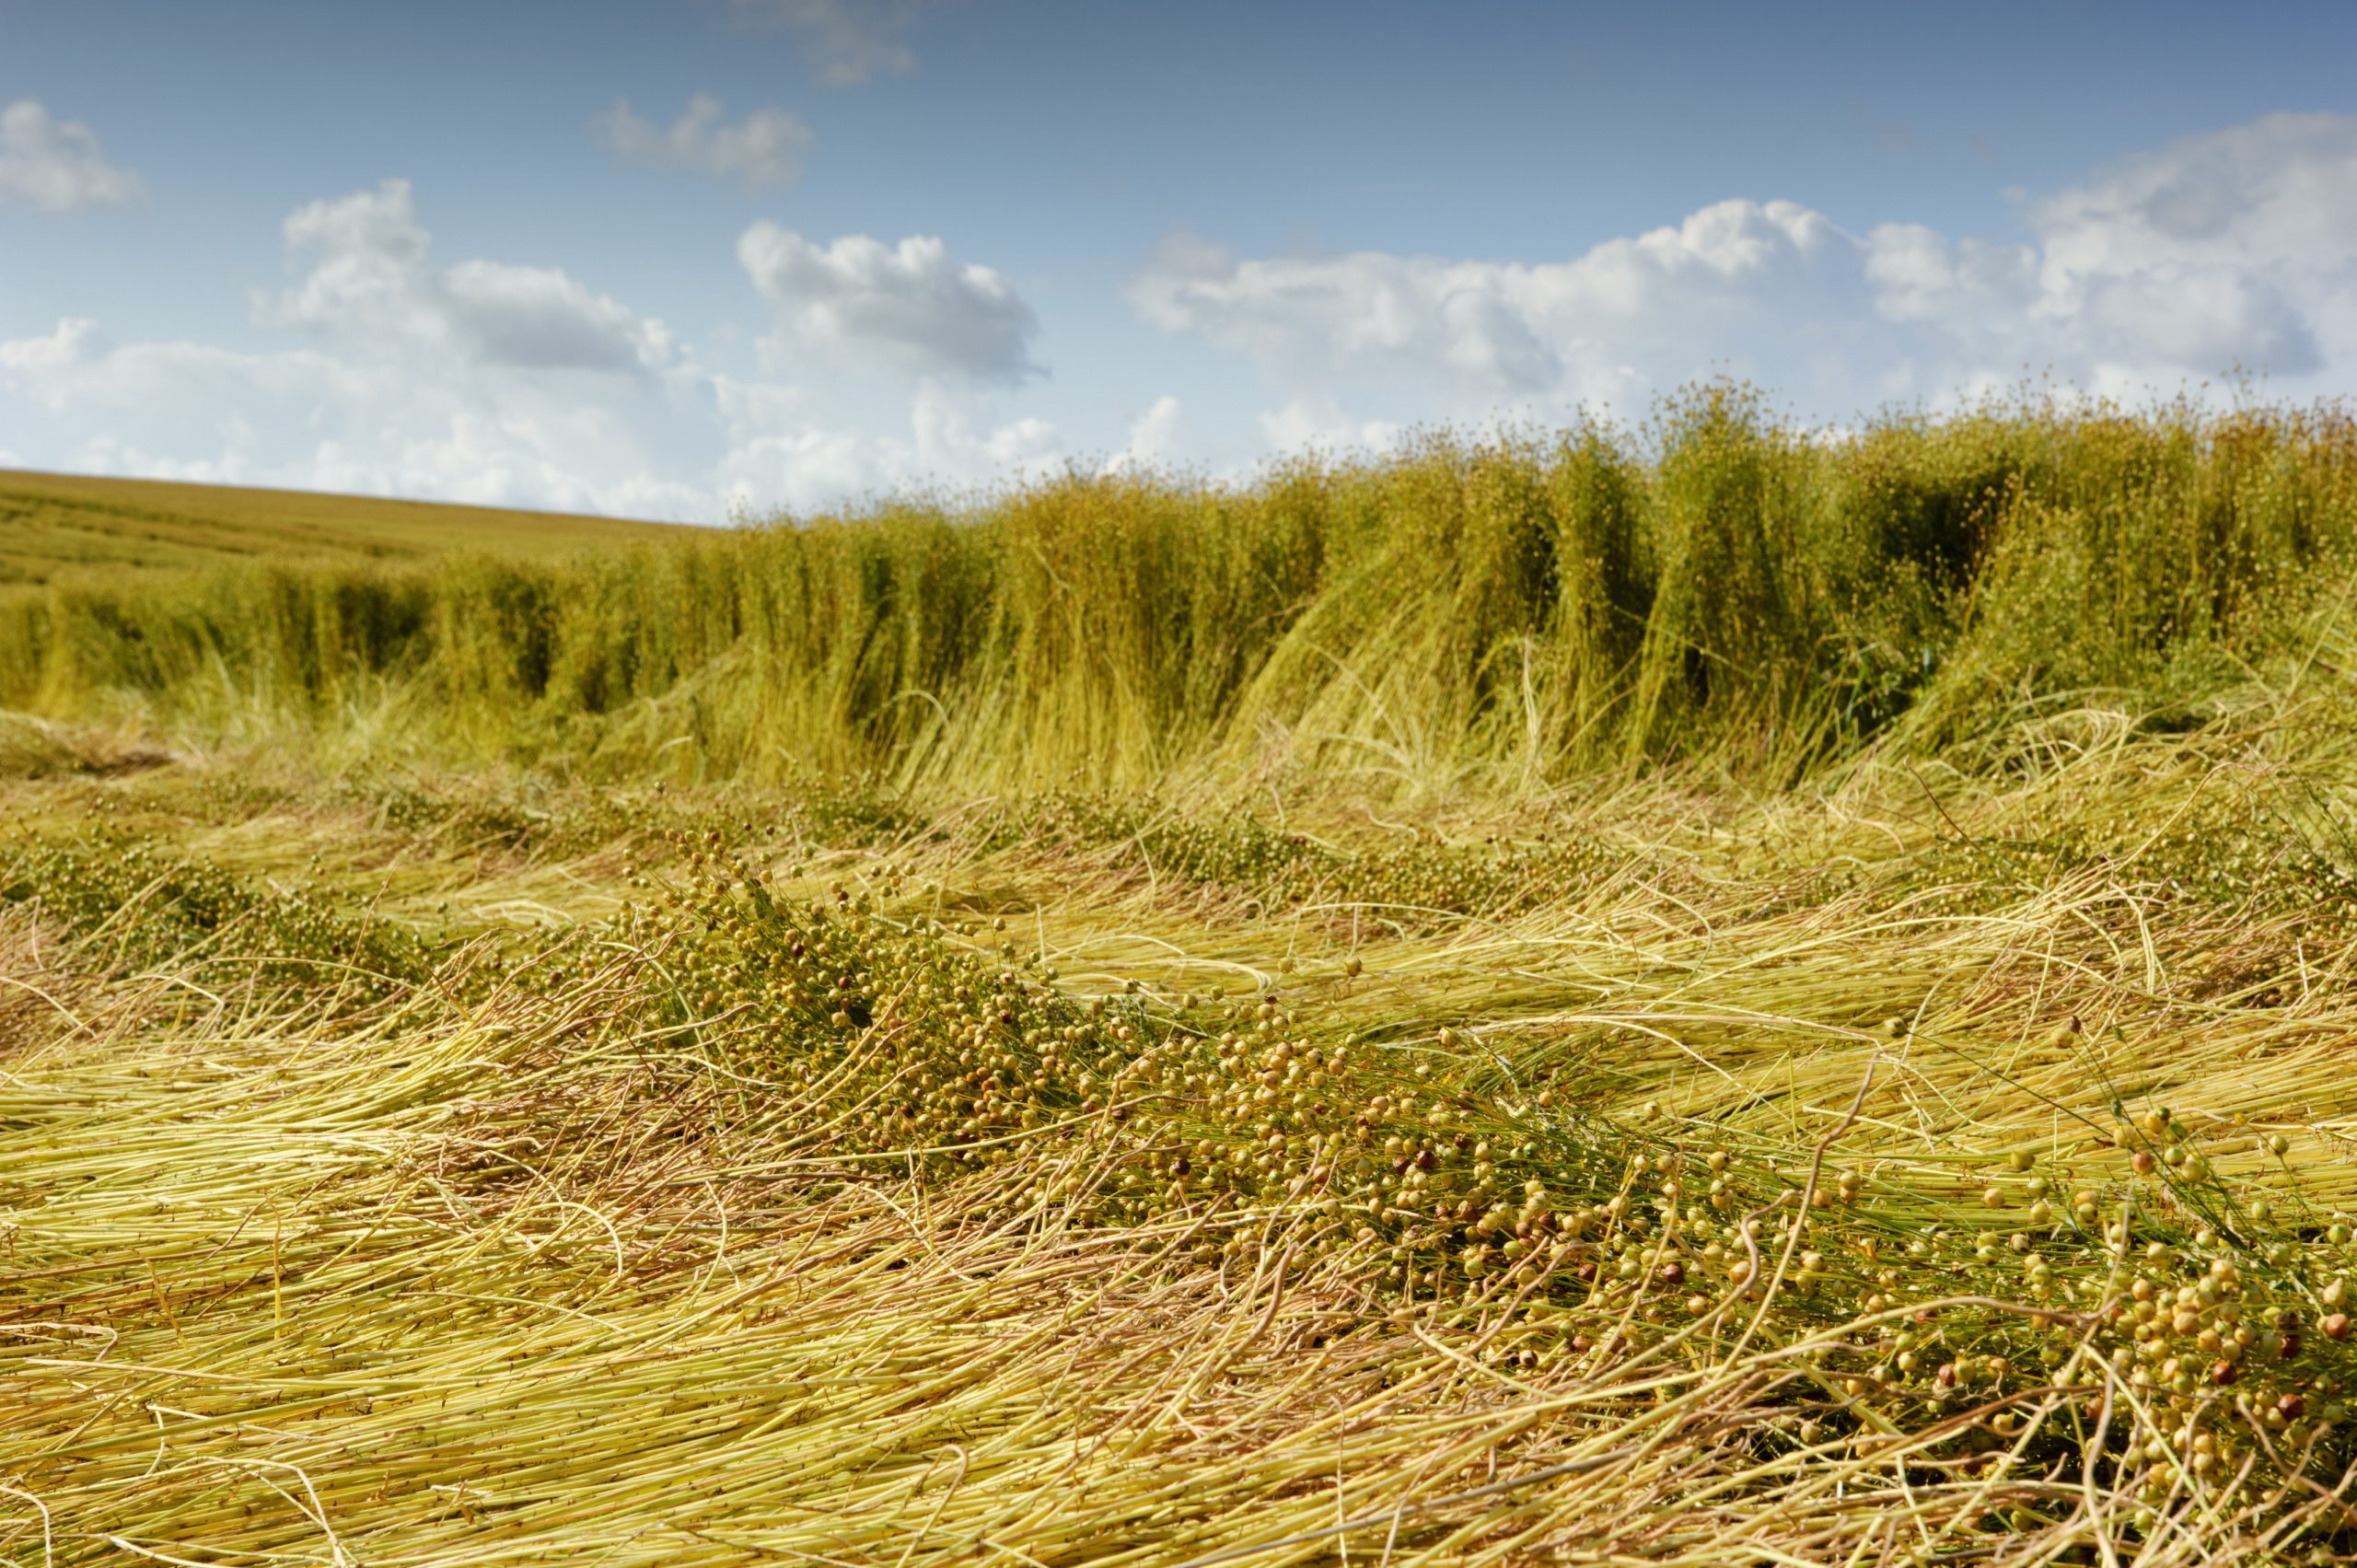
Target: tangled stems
point(730, 1168)
point(2129, 1337)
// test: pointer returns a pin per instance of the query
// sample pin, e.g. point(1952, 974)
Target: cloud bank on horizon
point(889, 360)
point(2238, 248)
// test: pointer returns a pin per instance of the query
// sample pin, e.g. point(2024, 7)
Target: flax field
point(1713, 993)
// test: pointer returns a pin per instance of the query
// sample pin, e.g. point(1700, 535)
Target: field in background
point(66, 528)
point(1700, 996)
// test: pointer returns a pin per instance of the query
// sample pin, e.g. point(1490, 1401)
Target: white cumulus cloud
point(57, 166)
point(910, 306)
point(765, 147)
point(74, 339)
point(1729, 276)
point(1318, 424)
point(366, 278)
point(1157, 439)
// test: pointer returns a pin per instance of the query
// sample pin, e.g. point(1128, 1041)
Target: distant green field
point(60, 526)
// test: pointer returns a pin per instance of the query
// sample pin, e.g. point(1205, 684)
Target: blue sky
point(673, 259)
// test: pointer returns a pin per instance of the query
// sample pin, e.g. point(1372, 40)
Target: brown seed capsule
point(2336, 1328)
point(1673, 1273)
point(2293, 1406)
point(2224, 1373)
